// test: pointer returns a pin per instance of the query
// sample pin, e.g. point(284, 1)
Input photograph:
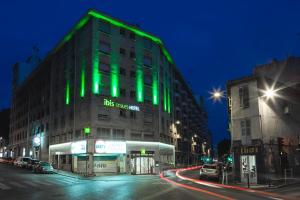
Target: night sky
point(210, 41)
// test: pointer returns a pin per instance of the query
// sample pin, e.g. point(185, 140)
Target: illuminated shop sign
point(78, 147)
point(110, 147)
point(110, 103)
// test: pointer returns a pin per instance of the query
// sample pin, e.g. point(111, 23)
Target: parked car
point(22, 161)
point(43, 167)
point(210, 171)
point(11, 161)
point(5, 160)
point(2, 160)
point(32, 163)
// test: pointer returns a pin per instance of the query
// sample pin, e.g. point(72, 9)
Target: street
point(17, 183)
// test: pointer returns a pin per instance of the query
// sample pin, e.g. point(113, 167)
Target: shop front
point(96, 157)
point(248, 163)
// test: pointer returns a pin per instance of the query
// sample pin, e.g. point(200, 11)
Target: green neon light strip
point(82, 76)
point(169, 100)
point(155, 89)
point(67, 92)
point(96, 76)
point(133, 29)
point(139, 70)
point(165, 96)
point(114, 67)
point(114, 80)
point(139, 85)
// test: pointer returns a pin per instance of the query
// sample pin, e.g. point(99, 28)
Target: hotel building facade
point(107, 99)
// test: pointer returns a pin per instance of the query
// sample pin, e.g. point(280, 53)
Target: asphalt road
point(16, 183)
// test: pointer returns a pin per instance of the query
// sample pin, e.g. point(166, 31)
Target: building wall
point(271, 119)
point(238, 113)
point(103, 61)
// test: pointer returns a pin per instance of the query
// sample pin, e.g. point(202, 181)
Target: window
point(147, 61)
point(123, 92)
point(104, 27)
point(122, 113)
point(104, 67)
point(132, 36)
point(148, 80)
point(132, 54)
point(118, 133)
point(103, 132)
point(147, 44)
point(246, 127)
point(148, 137)
point(132, 115)
point(132, 74)
point(136, 136)
point(104, 47)
point(122, 31)
point(122, 51)
point(103, 117)
point(244, 96)
point(132, 94)
point(122, 71)
point(77, 133)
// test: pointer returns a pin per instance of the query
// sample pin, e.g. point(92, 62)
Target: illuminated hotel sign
point(110, 103)
point(78, 147)
point(110, 147)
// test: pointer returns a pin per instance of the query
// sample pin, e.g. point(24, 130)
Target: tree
point(223, 148)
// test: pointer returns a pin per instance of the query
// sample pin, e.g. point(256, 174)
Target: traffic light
point(229, 159)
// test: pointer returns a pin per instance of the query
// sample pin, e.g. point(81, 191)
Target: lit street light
point(216, 94)
point(269, 93)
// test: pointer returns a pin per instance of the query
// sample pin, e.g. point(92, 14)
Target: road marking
point(275, 198)
point(42, 182)
point(4, 187)
point(64, 181)
point(31, 183)
point(17, 184)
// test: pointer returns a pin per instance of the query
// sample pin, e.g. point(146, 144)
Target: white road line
point(17, 184)
point(31, 183)
point(4, 187)
point(275, 198)
point(64, 181)
point(42, 182)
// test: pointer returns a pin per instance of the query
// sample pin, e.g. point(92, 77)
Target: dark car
point(43, 167)
point(32, 163)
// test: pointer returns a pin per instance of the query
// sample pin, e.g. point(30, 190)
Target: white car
point(22, 161)
point(210, 171)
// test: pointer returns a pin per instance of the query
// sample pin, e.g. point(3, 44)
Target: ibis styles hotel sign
point(110, 103)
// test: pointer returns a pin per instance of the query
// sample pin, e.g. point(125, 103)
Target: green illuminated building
point(111, 81)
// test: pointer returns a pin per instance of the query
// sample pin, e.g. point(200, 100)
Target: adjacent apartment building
point(264, 116)
point(107, 99)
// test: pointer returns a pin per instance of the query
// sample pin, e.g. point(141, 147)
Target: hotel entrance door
point(142, 164)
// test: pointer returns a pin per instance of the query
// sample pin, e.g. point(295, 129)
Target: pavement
point(17, 183)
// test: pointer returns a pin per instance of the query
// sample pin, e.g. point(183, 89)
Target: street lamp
point(269, 93)
point(177, 122)
point(216, 94)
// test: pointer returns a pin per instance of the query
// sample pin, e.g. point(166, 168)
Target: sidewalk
point(275, 183)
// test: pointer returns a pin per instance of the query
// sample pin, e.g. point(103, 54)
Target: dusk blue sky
point(210, 41)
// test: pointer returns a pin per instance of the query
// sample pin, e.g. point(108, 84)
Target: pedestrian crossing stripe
point(4, 187)
point(16, 184)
